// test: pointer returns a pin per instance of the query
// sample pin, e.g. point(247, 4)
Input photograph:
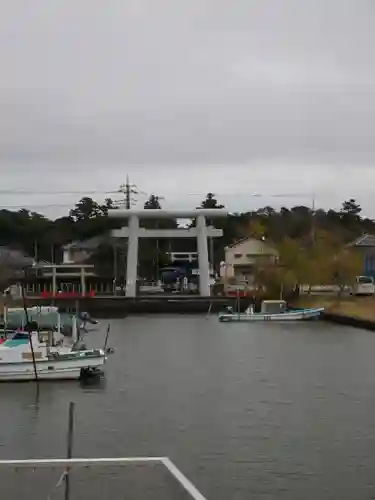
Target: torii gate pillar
point(133, 232)
point(204, 268)
point(132, 257)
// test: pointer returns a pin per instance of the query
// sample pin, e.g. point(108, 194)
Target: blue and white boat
point(272, 310)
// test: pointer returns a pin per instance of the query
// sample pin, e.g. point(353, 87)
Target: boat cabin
point(273, 306)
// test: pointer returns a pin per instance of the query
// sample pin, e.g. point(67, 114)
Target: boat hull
point(49, 369)
point(298, 315)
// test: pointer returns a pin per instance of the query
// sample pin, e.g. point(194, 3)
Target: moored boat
point(31, 356)
point(47, 318)
point(48, 346)
point(272, 310)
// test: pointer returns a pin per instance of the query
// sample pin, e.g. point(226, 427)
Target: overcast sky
point(187, 96)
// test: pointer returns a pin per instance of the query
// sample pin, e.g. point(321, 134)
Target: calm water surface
point(244, 410)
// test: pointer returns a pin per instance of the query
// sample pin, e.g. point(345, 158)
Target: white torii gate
point(133, 232)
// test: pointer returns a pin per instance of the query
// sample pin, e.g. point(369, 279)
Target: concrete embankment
point(118, 306)
point(352, 311)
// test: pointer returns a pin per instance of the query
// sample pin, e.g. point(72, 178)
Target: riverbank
point(348, 310)
point(120, 306)
point(353, 311)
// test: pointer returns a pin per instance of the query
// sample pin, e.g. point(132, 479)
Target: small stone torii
point(133, 232)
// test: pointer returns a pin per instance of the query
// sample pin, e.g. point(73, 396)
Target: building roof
point(366, 240)
point(90, 244)
point(268, 248)
point(242, 240)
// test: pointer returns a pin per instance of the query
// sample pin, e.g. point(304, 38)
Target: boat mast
point(28, 328)
point(5, 315)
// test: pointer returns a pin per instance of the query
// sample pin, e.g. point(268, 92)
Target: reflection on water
point(93, 383)
point(245, 410)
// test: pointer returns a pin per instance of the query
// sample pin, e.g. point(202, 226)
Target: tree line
point(290, 229)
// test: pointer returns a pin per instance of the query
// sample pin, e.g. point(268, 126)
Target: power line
point(130, 193)
point(27, 192)
point(129, 190)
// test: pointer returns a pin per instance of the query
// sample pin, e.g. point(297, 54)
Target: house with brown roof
point(244, 256)
point(365, 244)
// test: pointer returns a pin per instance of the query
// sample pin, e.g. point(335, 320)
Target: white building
point(183, 256)
point(78, 252)
point(242, 258)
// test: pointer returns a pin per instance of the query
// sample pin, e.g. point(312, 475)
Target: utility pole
point(313, 221)
point(128, 190)
point(127, 194)
point(36, 257)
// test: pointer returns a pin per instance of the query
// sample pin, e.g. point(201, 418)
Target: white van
point(364, 285)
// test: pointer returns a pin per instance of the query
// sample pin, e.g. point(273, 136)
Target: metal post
point(114, 268)
point(69, 449)
point(53, 280)
point(83, 282)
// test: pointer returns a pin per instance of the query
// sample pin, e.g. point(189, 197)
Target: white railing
point(69, 464)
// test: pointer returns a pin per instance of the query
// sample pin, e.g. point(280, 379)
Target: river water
point(244, 410)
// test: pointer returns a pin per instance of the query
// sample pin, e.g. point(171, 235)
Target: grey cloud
point(141, 86)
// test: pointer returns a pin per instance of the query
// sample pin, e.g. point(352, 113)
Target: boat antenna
point(106, 337)
point(28, 325)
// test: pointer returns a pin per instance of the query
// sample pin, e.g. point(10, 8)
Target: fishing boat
point(272, 310)
point(38, 343)
point(34, 356)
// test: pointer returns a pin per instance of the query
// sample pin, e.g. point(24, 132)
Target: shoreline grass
point(355, 307)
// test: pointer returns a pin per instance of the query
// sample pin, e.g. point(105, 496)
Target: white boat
point(56, 355)
point(53, 359)
point(272, 310)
